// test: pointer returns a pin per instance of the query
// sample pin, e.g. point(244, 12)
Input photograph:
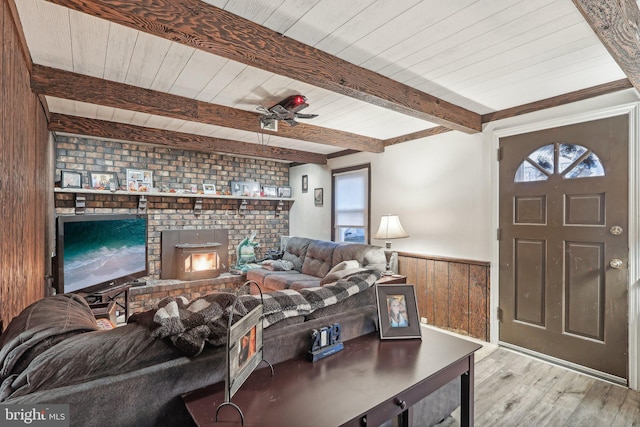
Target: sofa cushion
point(296, 251)
point(319, 258)
point(368, 256)
point(284, 280)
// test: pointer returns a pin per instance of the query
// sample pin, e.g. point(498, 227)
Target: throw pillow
point(337, 272)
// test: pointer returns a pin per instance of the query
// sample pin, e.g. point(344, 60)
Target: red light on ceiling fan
point(298, 100)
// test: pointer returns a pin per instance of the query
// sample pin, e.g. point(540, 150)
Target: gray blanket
point(189, 324)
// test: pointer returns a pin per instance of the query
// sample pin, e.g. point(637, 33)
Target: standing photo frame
point(245, 188)
point(284, 192)
point(70, 179)
point(270, 191)
point(208, 188)
point(397, 312)
point(103, 180)
point(139, 180)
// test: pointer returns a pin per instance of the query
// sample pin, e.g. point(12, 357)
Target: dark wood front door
point(564, 243)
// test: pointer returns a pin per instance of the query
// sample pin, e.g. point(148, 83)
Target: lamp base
point(388, 254)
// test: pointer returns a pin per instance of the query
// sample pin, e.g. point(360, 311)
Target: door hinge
point(499, 314)
point(499, 155)
point(499, 234)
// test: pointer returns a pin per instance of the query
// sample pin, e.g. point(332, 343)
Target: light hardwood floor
point(512, 389)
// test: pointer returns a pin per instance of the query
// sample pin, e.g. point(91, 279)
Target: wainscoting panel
point(452, 294)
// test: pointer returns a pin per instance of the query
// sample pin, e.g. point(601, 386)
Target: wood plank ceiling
point(191, 74)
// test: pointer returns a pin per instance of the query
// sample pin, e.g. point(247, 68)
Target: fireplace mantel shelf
point(165, 194)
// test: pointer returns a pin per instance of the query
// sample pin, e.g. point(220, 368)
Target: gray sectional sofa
point(315, 263)
point(53, 352)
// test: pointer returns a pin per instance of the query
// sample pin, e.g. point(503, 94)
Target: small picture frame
point(70, 179)
point(103, 180)
point(318, 196)
point(305, 183)
point(284, 192)
point(245, 349)
point(245, 188)
point(270, 191)
point(139, 180)
point(397, 312)
point(209, 188)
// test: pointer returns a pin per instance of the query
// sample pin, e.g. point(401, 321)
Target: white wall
point(439, 186)
point(306, 219)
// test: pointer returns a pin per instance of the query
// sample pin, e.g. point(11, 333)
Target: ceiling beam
point(178, 140)
point(616, 23)
point(555, 101)
point(67, 85)
point(416, 135)
point(202, 26)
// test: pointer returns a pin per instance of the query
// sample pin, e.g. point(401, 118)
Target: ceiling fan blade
point(291, 122)
point(306, 116)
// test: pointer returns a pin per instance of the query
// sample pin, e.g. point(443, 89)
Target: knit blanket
point(191, 324)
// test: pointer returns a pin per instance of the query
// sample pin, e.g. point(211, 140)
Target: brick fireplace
point(177, 170)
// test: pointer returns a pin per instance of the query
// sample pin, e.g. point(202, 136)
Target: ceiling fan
point(286, 110)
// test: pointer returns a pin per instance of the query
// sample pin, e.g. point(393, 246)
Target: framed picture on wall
point(305, 183)
point(318, 196)
point(70, 179)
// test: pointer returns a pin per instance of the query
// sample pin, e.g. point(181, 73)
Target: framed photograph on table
point(103, 180)
point(70, 179)
point(244, 349)
point(397, 312)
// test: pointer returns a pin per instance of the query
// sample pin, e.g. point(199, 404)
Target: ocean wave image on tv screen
point(99, 251)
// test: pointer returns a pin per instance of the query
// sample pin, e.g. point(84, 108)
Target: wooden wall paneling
point(459, 297)
point(441, 294)
point(410, 270)
point(421, 287)
point(4, 296)
point(478, 302)
point(22, 185)
point(430, 286)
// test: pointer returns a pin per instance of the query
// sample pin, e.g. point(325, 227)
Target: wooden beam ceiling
point(78, 87)
point(617, 25)
point(555, 101)
point(202, 26)
point(178, 140)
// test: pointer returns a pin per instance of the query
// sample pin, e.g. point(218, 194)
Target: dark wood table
point(369, 382)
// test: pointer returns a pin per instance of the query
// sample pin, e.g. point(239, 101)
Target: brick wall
point(177, 169)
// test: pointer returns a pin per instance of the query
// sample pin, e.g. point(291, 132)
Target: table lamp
point(390, 228)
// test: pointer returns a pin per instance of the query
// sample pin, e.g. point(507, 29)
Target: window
point(350, 216)
point(569, 160)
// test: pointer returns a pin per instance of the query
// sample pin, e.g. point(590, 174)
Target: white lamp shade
point(390, 228)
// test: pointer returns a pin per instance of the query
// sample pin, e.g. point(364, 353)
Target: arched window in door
point(569, 160)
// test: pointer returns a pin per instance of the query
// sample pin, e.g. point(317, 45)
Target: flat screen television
point(94, 252)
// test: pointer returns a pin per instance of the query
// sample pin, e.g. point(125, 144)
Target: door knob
point(616, 263)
